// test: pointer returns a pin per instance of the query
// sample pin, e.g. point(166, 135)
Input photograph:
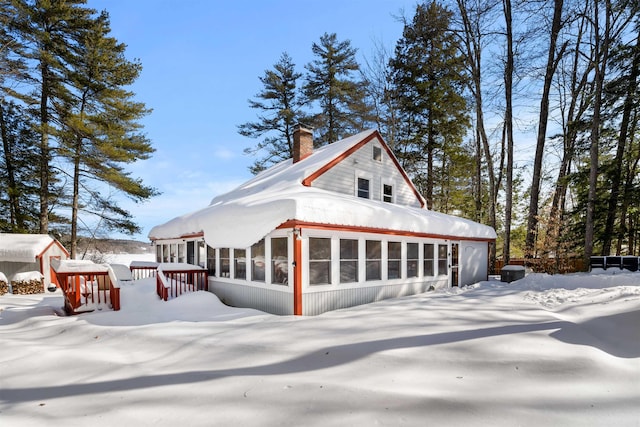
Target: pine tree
point(46, 29)
point(330, 82)
point(18, 174)
point(428, 79)
point(100, 129)
point(280, 106)
point(86, 122)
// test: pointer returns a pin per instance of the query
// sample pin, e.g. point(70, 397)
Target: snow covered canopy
point(248, 213)
point(23, 247)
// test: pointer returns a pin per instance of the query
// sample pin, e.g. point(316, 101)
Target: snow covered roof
point(23, 247)
point(246, 214)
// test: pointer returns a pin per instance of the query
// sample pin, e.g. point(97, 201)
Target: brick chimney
point(302, 143)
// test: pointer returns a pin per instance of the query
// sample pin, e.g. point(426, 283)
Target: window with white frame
point(211, 260)
point(202, 255)
point(319, 261)
point(443, 260)
point(257, 262)
point(428, 259)
point(181, 248)
point(394, 258)
point(191, 252)
point(387, 193)
point(279, 260)
point(348, 260)
point(364, 188)
point(239, 263)
point(412, 260)
point(377, 153)
point(373, 262)
point(225, 263)
point(158, 253)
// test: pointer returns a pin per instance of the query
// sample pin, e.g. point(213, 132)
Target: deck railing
point(171, 283)
point(143, 269)
point(88, 292)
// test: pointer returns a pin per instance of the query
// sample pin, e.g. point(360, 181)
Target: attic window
point(387, 193)
point(363, 188)
point(377, 154)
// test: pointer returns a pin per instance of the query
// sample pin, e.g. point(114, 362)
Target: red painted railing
point(172, 283)
point(143, 269)
point(88, 292)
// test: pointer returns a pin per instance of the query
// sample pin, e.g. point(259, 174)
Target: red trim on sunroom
point(297, 276)
point(375, 134)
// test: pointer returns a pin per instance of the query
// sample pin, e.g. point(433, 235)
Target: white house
point(339, 226)
point(21, 253)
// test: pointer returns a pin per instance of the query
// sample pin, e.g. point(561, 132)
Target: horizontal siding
point(342, 177)
point(319, 302)
point(268, 300)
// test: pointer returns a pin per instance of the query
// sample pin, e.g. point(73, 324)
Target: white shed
point(20, 253)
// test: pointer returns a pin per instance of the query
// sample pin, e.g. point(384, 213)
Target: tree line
point(69, 125)
point(467, 86)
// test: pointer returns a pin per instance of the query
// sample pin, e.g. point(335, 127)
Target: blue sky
point(202, 60)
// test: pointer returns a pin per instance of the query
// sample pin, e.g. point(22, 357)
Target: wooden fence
point(545, 265)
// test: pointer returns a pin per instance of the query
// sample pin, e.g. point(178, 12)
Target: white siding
point(274, 301)
point(314, 303)
point(474, 258)
point(342, 178)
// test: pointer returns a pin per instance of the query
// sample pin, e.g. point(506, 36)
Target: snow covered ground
point(543, 351)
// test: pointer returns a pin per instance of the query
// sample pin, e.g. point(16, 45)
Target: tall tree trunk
point(472, 41)
point(578, 104)
point(430, 148)
point(622, 139)
point(552, 63)
point(508, 123)
point(601, 56)
point(76, 197)
point(16, 216)
point(44, 150)
point(479, 203)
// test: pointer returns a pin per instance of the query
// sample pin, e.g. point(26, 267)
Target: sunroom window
point(257, 261)
point(279, 261)
point(240, 263)
point(211, 260)
point(319, 261)
point(224, 262)
point(428, 259)
point(442, 260)
point(412, 260)
point(373, 260)
point(394, 259)
point(348, 260)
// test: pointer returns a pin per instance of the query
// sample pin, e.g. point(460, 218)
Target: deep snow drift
point(543, 351)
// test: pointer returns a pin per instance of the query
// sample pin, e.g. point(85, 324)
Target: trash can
point(509, 273)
